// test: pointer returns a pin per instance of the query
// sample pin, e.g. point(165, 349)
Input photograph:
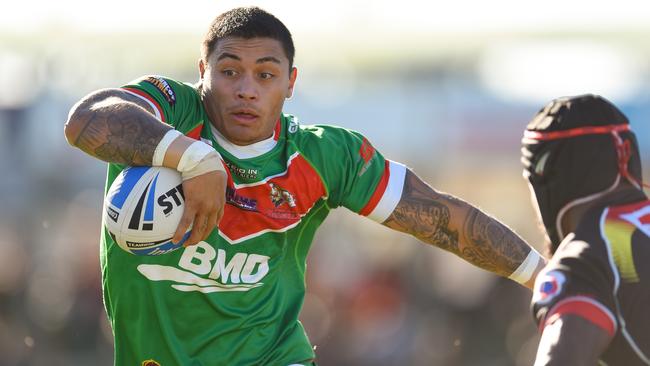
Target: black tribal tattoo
point(118, 129)
point(454, 225)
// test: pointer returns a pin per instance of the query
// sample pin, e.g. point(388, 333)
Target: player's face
point(245, 83)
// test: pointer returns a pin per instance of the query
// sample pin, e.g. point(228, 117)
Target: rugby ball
point(142, 209)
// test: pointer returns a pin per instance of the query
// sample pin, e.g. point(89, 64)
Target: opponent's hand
point(205, 196)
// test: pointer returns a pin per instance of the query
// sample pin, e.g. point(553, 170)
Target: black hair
point(248, 22)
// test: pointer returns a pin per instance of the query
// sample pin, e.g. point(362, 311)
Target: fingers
point(204, 206)
point(184, 224)
point(198, 229)
point(212, 222)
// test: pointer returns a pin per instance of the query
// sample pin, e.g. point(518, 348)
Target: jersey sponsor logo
point(241, 172)
point(547, 286)
point(206, 269)
point(293, 124)
point(163, 86)
point(366, 152)
point(280, 196)
point(302, 187)
point(237, 200)
point(150, 363)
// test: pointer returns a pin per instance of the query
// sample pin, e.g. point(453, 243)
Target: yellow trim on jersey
point(619, 235)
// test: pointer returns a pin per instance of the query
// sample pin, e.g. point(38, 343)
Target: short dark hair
point(247, 23)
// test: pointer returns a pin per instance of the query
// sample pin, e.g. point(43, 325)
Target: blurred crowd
point(375, 297)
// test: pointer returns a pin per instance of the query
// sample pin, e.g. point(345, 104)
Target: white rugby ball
point(142, 210)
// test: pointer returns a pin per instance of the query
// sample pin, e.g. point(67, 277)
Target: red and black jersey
point(601, 272)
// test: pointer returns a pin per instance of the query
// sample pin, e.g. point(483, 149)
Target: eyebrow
point(258, 61)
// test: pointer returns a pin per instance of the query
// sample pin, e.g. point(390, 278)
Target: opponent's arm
point(571, 340)
point(454, 225)
point(118, 127)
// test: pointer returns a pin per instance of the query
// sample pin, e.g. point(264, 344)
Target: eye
point(266, 75)
point(229, 72)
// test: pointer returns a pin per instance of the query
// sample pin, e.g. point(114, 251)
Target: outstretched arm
point(456, 226)
point(571, 340)
point(118, 127)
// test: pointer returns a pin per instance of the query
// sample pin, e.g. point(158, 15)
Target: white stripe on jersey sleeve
point(392, 194)
point(153, 106)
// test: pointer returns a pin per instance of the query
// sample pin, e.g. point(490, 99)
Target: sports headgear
point(575, 150)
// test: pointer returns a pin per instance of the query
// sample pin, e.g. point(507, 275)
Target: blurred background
point(445, 87)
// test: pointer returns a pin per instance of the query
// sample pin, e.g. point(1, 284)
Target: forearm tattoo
point(454, 225)
point(119, 132)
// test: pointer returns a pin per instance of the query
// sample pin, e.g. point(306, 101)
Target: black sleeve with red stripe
point(578, 281)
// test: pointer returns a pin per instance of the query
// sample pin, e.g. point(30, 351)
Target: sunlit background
point(445, 87)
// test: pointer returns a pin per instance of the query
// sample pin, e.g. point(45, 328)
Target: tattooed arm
point(456, 226)
point(117, 127)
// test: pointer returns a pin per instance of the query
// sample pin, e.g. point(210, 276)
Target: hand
point(205, 196)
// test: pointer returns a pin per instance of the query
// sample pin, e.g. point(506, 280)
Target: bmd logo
point(206, 269)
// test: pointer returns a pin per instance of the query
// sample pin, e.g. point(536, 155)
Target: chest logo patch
point(280, 196)
point(548, 286)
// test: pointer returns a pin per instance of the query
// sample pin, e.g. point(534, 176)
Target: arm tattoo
point(423, 216)
point(454, 225)
point(118, 130)
point(491, 245)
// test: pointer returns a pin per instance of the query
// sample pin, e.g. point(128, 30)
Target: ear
point(292, 81)
point(201, 67)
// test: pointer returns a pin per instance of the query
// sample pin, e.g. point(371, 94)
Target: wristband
point(199, 158)
point(163, 145)
point(526, 269)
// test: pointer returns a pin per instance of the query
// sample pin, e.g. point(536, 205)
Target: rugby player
point(591, 301)
point(233, 294)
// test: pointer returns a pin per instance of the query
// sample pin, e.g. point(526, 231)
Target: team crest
point(280, 196)
point(150, 363)
point(548, 286)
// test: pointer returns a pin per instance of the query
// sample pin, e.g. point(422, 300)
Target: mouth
point(244, 115)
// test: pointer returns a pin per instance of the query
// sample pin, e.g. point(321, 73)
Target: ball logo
point(147, 220)
point(170, 199)
point(548, 286)
point(114, 215)
point(150, 363)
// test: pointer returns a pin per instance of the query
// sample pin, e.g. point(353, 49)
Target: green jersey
point(234, 299)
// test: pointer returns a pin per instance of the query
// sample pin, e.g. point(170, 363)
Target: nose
point(247, 88)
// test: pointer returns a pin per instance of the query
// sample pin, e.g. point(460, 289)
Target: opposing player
point(232, 296)
point(584, 168)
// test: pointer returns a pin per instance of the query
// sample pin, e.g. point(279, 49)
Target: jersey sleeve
point(173, 102)
point(578, 281)
point(358, 177)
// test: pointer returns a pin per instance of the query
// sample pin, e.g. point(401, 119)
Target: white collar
point(244, 152)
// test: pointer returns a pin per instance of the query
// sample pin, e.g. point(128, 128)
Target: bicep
point(571, 340)
point(115, 126)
